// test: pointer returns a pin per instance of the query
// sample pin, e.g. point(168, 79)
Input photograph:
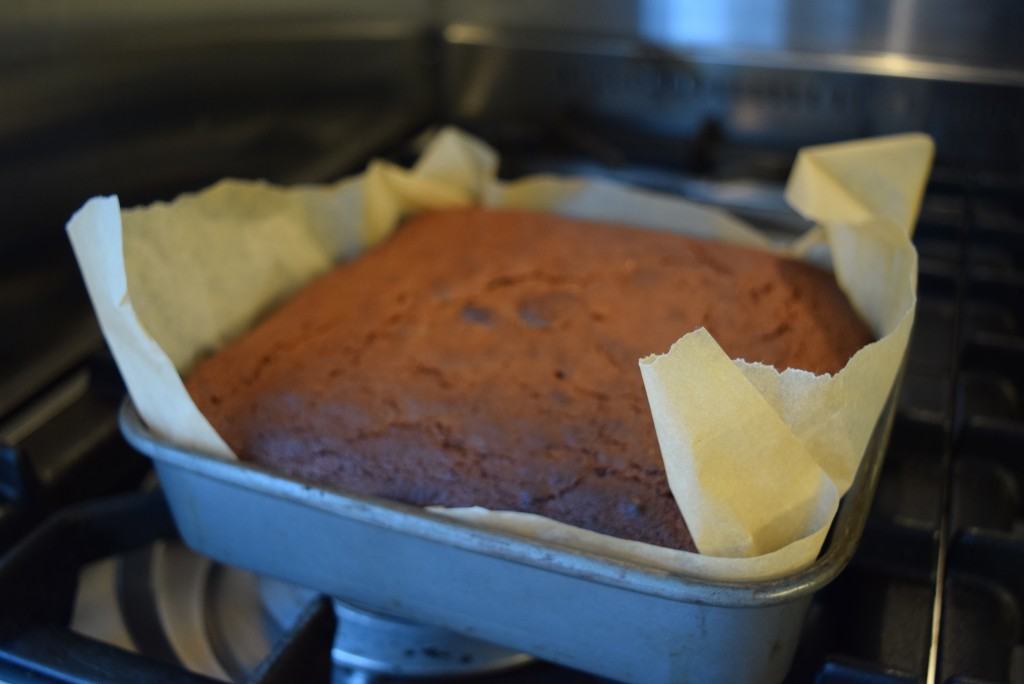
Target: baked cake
point(489, 358)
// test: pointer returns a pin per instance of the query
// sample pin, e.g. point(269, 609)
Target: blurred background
point(705, 99)
point(151, 99)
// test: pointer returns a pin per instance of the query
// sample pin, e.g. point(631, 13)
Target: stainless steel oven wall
point(146, 99)
point(143, 98)
point(774, 73)
point(900, 34)
point(152, 99)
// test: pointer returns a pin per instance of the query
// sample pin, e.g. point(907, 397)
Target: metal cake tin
point(596, 614)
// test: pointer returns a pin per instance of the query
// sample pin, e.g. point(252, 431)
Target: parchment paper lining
point(757, 459)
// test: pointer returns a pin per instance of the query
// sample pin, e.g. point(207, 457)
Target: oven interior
point(151, 102)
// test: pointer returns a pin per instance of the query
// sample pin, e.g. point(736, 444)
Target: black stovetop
point(936, 590)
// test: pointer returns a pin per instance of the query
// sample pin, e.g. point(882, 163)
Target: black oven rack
point(38, 579)
point(937, 589)
point(62, 446)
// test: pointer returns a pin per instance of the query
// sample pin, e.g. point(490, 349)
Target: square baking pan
point(592, 613)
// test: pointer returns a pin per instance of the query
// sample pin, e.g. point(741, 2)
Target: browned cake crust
point(483, 357)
